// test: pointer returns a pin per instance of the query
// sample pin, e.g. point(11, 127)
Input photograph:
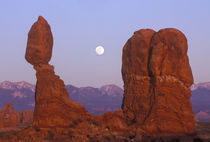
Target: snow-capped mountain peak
point(17, 85)
point(112, 90)
point(201, 85)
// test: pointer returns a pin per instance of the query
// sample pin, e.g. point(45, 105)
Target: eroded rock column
point(53, 107)
point(157, 77)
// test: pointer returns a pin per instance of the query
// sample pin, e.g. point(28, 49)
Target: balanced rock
point(53, 107)
point(9, 117)
point(157, 77)
point(40, 43)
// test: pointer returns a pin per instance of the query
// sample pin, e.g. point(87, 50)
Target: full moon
point(99, 50)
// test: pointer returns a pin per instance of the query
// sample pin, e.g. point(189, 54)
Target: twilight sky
point(79, 26)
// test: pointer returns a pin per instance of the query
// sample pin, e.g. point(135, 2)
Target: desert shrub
point(80, 120)
point(37, 128)
point(51, 135)
point(197, 140)
point(63, 133)
point(70, 133)
point(93, 122)
point(131, 137)
point(107, 138)
point(107, 127)
point(26, 127)
point(71, 125)
point(1, 135)
point(90, 138)
point(175, 140)
point(75, 123)
point(162, 140)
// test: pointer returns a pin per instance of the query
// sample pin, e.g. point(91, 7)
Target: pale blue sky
point(79, 26)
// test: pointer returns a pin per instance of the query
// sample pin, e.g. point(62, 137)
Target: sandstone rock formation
point(27, 116)
point(53, 107)
point(9, 117)
point(156, 103)
point(40, 43)
point(157, 77)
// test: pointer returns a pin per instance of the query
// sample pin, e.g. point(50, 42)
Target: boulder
point(40, 43)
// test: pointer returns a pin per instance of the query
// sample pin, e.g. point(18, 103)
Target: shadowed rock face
point(136, 75)
point(53, 107)
point(157, 77)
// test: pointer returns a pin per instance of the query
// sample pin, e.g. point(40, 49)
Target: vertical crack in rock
point(151, 100)
point(151, 92)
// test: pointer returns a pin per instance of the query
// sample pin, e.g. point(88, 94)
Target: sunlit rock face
point(53, 107)
point(157, 77)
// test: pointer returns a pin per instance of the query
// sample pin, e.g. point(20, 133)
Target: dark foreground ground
point(203, 130)
point(203, 135)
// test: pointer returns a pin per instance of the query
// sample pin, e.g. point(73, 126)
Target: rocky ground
point(203, 130)
point(78, 132)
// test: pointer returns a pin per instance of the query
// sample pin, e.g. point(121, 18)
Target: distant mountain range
point(21, 94)
point(201, 100)
point(96, 100)
point(205, 85)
